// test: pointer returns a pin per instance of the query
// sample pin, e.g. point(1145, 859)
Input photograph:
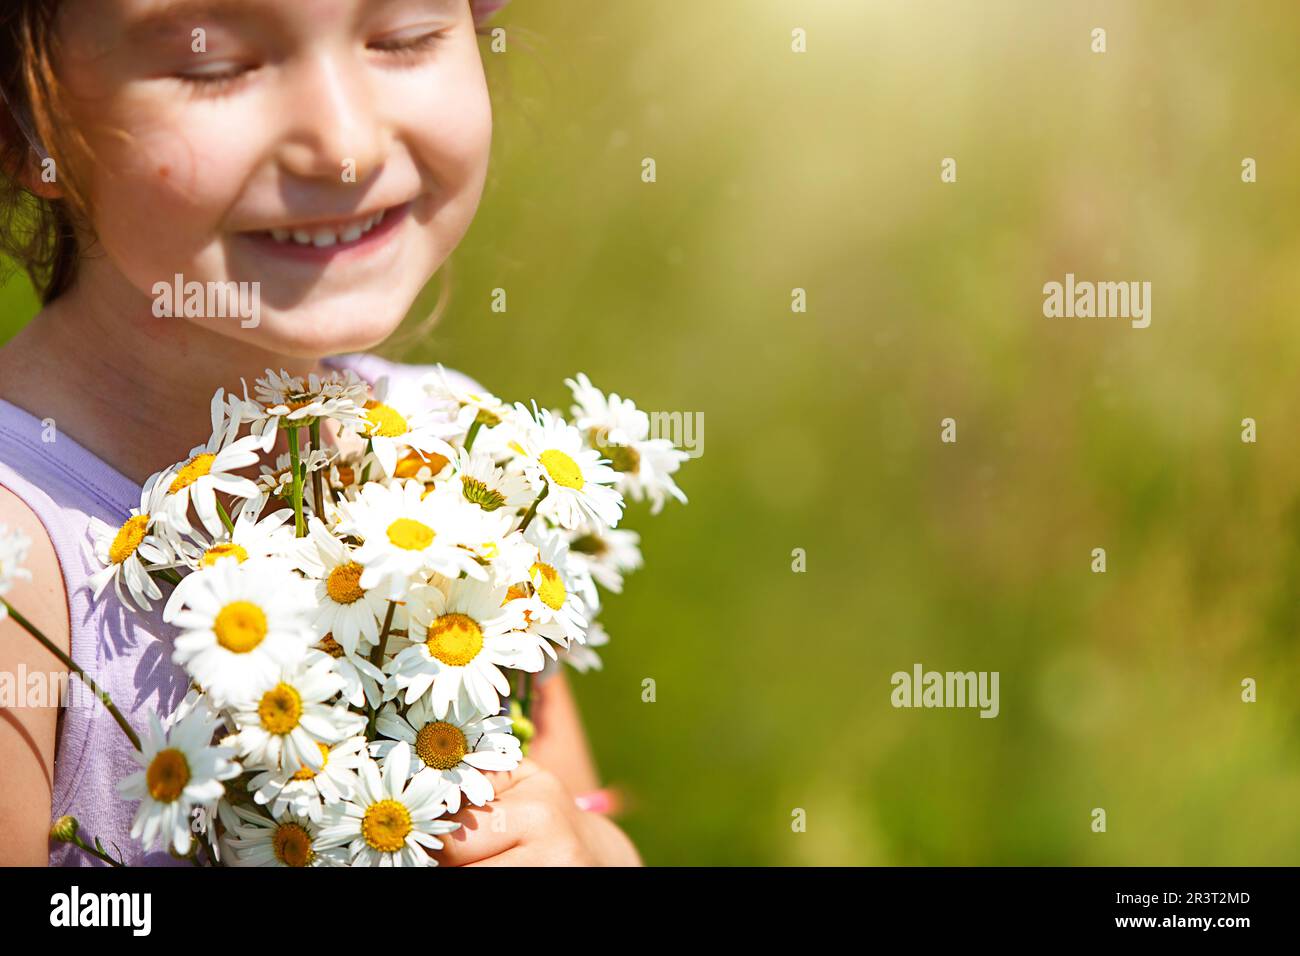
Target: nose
point(337, 130)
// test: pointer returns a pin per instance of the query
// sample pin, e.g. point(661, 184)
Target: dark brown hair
point(43, 236)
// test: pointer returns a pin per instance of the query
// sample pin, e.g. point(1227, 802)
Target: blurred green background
point(820, 170)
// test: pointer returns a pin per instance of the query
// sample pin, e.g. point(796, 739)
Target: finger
point(518, 856)
point(503, 780)
point(484, 832)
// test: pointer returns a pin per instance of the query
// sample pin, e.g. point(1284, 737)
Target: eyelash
point(220, 82)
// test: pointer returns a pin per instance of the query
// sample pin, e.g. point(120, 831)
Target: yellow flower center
point(410, 535)
point(280, 709)
point(384, 421)
point(306, 773)
point(480, 494)
point(167, 775)
point(240, 626)
point(386, 826)
point(409, 465)
point(227, 549)
point(564, 471)
point(344, 584)
point(128, 538)
point(441, 745)
point(455, 639)
point(292, 845)
point(194, 469)
point(515, 592)
point(549, 584)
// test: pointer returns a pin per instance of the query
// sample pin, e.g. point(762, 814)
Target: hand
point(533, 822)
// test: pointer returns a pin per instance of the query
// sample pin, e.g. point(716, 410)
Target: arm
point(28, 735)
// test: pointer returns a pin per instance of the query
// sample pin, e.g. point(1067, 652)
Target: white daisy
point(621, 431)
point(488, 487)
point(285, 726)
point(277, 481)
point(239, 627)
point(468, 405)
point(344, 609)
point(390, 430)
point(553, 608)
point(209, 469)
point(392, 820)
point(576, 481)
point(460, 642)
point(258, 840)
point(180, 771)
point(606, 556)
point(284, 400)
point(305, 792)
point(456, 750)
point(255, 538)
point(583, 657)
point(363, 682)
point(404, 536)
point(124, 551)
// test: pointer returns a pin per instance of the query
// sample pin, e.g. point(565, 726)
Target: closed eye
point(217, 76)
point(409, 45)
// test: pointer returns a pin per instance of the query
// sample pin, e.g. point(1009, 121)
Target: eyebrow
point(188, 14)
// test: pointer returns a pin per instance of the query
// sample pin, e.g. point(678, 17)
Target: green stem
point(377, 658)
point(365, 472)
point(295, 462)
point(473, 433)
point(532, 509)
point(80, 844)
point(71, 665)
point(167, 574)
point(317, 478)
point(526, 698)
point(225, 517)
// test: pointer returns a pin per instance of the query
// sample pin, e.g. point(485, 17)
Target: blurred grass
point(820, 171)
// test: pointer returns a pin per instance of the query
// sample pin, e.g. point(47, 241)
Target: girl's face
point(259, 141)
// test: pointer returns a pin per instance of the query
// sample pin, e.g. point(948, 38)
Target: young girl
point(331, 151)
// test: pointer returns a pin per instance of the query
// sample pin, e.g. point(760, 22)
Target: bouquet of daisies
point(364, 621)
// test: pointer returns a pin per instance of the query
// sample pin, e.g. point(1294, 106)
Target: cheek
point(159, 195)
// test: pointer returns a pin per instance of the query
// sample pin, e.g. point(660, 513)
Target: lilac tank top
point(126, 652)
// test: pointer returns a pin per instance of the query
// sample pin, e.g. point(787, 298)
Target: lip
point(360, 248)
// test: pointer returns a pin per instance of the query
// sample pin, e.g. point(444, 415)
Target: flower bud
point(64, 830)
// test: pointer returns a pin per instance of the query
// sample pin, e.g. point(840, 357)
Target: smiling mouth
point(314, 241)
point(324, 236)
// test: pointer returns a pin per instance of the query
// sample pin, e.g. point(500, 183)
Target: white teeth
point(323, 237)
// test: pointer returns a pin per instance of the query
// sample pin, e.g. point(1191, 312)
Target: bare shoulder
point(28, 734)
point(42, 599)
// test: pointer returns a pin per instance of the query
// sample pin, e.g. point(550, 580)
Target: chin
point(316, 332)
